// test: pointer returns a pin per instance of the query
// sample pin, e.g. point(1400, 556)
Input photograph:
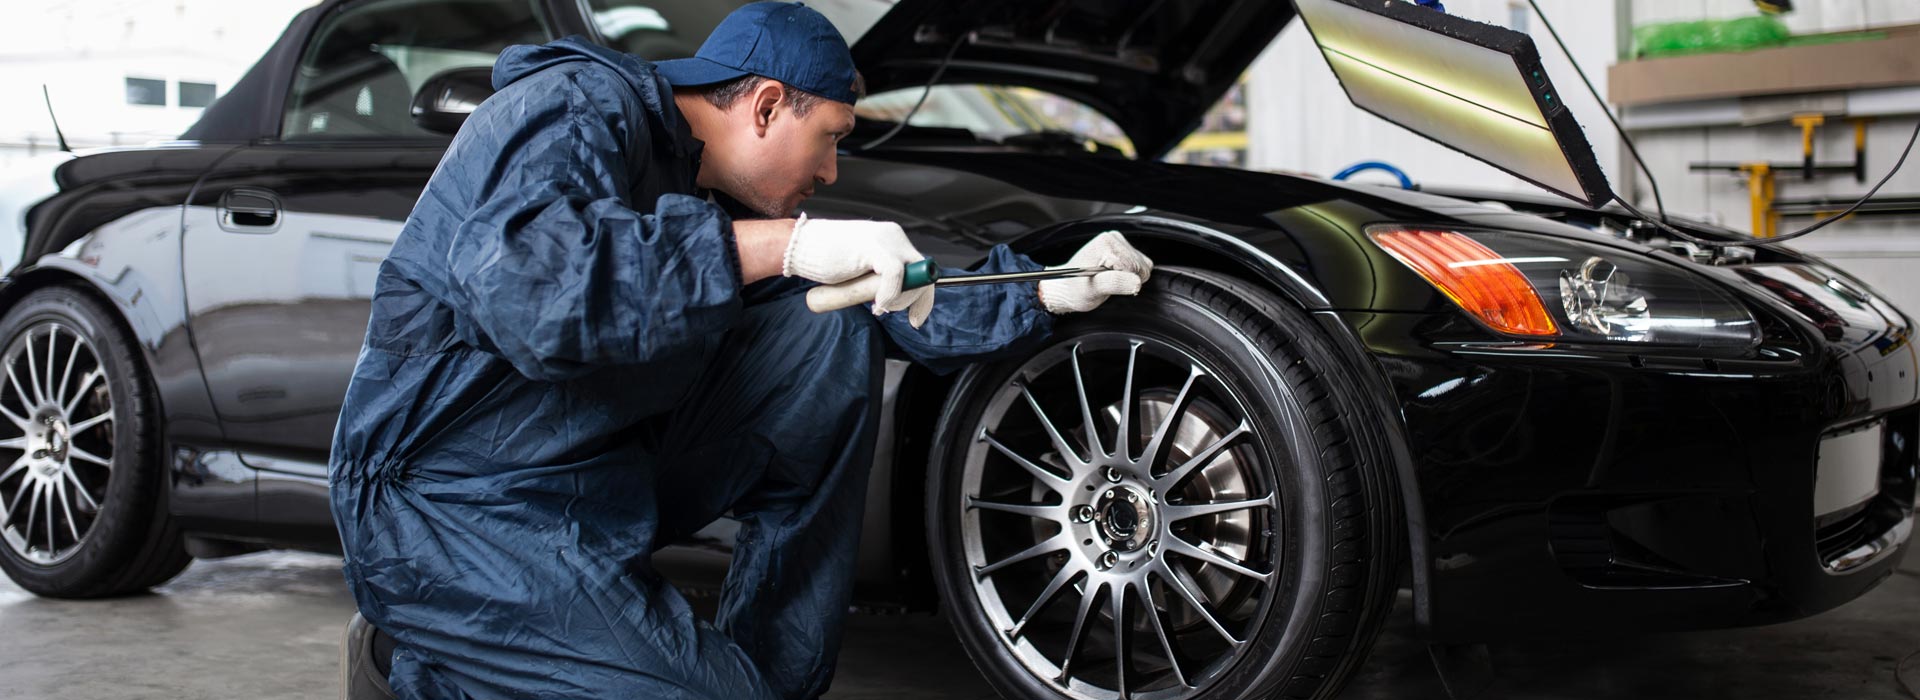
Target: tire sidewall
point(126, 510)
point(1289, 451)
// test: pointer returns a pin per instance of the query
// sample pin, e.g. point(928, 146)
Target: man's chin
point(744, 209)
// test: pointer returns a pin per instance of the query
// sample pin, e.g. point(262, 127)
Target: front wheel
point(1186, 496)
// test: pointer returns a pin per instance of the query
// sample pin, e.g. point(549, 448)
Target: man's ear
point(766, 100)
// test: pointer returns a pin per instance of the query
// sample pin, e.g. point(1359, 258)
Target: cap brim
point(695, 71)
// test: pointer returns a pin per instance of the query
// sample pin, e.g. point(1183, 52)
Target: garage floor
point(267, 626)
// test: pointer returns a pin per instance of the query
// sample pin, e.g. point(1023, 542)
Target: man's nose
point(830, 172)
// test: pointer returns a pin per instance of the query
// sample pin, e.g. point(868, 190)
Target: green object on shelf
point(1709, 36)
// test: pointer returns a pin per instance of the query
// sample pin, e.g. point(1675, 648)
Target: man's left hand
point(1126, 270)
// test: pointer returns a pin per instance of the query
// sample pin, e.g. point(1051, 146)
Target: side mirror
point(444, 102)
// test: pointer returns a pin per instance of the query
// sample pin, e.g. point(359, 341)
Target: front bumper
point(1574, 491)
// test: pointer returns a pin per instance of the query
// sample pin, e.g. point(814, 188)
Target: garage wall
point(1883, 250)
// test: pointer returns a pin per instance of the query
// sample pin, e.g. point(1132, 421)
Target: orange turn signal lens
point(1473, 276)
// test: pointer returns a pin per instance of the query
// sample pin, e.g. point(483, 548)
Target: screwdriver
point(861, 290)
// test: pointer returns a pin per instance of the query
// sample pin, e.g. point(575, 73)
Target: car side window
point(360, 71)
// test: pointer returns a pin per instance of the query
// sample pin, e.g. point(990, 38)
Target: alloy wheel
point(58, 430)
point(1121, 529)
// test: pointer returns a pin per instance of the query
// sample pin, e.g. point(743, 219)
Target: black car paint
point(1522, 463)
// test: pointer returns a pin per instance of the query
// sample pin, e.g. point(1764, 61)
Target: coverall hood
point(516, 63)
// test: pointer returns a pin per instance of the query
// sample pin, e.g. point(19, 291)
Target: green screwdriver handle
point(828, 297)
point(920, 274)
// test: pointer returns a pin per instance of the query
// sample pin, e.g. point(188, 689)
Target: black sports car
point(1542, 419)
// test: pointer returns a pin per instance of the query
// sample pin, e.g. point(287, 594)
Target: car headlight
point(1544, 287)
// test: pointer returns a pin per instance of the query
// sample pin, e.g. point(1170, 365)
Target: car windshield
point(661, 30)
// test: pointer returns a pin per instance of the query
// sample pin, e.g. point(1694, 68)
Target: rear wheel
point(81, 513)
point(1184, 497)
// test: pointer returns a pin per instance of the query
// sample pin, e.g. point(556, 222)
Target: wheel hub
point(1124, 517)
point(47, 443)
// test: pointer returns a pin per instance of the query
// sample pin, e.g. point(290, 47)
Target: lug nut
point(1110, 559)
point(1131, 498)
point(1083, 513)
point(1153, 548)
point(1113, 475)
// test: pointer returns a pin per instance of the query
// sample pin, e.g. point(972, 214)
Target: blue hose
point(1406, 183)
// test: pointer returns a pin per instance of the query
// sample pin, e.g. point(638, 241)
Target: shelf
point(1892, 61)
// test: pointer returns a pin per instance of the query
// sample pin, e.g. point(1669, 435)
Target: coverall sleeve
point(556, 271)
point(976, 323)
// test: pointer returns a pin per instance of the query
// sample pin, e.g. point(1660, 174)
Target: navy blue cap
point(785, 41)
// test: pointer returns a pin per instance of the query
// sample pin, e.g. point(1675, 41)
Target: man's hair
point(723, 95)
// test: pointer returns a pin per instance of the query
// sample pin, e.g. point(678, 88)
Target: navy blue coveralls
point(562, 374)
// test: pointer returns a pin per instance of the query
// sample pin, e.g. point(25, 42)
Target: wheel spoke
point(1158, 444)
point(1056, 543)
point(1204, 457)
point(1060, 444)
point(1176, 513)
point(15, 468)
point(66, 373)
point(1079, 629)
point(53, 337)
point(80, 454)
point(18, 421)
point(75, 428)
point(13, 509)
point(49, 498)
point(17, 391)
point(1094, 448)
point(1182, 588)
point(1160, 631)
point(33, 511)
point(1046, 478)
point(1175, 544)
point(66, 508)
point(1122, 636)
point(81, 489)
point(86, 382)
point(1123, 435)
point(1060, 580)
point(1026, 509)
point(19, 443)
point(33, 370)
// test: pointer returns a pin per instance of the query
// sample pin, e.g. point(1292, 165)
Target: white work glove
point(831, 251)
point(1127, 269)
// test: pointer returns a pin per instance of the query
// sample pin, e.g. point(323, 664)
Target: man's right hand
point(830, 251)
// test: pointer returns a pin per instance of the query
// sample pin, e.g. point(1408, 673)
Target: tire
point(1301, 491)
point(82, 500)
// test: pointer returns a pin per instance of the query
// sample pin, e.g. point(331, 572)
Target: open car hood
point(1153, 66)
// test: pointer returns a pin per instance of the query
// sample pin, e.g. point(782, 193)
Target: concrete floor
point(267, 627)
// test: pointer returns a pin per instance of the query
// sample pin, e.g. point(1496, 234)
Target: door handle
point(250, 210)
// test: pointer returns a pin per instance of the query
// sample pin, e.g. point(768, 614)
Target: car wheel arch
point(54, 271)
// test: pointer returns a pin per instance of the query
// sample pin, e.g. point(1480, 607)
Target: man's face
point(770, 158)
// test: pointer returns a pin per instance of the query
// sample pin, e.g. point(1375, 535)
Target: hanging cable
point(924, 92)
point(1661, 222)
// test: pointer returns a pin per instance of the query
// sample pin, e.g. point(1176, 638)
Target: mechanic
point(590, 340)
